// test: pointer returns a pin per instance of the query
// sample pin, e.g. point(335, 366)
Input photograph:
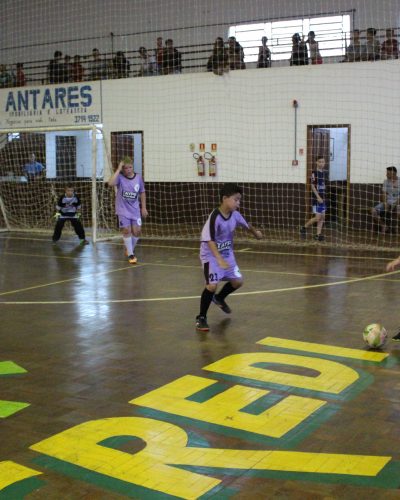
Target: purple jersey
point(220, 230)
point(127, 198)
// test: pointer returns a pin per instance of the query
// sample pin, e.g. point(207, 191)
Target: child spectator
point(55, 69)
point(68, 208)
point(218, 62)
point(390, 48)
point(315, 55)
point(172, 59)
point(20, 80)
point(216, 252)
point(264, 54)
point(299, 56)
point(77, 70)
point(147, 63)
point(120, 65)
point(235, 54)
point(371, 51)
point(353, 51)
point(159, 51)
point(97, 67)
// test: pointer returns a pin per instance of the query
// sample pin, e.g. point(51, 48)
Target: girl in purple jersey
point(216, 252)
point(130, 189)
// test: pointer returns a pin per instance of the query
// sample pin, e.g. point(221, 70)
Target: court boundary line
point(192, 297)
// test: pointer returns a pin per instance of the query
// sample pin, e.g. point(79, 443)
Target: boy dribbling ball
point(216, 252)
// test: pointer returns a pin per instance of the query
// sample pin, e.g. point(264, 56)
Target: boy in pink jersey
point(216, 252)
point(130, 189)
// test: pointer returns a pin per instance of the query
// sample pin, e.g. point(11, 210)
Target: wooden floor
point(107, 390)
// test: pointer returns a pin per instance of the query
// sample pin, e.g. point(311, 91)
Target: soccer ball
point(375, 335)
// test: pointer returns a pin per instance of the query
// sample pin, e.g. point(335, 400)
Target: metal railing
point(194, 58)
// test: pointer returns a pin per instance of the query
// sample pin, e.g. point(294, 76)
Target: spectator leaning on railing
point(218, 62)
point(55, 68)
point(353, 51)
point(97, 66)
point(390, 47)
point(5, 77)
point(172, 59)
point(371, 51)
point(77, 70)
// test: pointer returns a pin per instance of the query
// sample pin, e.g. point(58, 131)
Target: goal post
point(36, 165)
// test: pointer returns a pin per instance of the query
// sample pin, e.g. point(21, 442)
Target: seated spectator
point(120, 65)
point(77, 70)
point(390, 199)
point(66, 75)
point(172, 59)
point(264, 54)
point(371, 51)
point(159, 52)
point(299, 56)
point(97, 67)
point(33, 169)
point(218, 62)
point(390, 48)
point(55, 68)
point(315, 55)
point(5, 77)
point(147, 62)
point(235, 54)
point(353, 51)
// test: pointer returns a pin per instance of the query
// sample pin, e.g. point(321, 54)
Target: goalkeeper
point(68, 208)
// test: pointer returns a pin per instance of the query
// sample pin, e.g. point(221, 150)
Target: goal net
point(36, 166)
point(202, 93)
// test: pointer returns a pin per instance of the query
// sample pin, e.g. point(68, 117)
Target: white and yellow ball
point(375, 335)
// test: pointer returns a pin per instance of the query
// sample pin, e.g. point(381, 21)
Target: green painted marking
point(100, 480)
point(20, 490)
point(8, 408)
point(10, 368)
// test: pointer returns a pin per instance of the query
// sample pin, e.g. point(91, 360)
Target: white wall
point(33, 30)
point(249, 114)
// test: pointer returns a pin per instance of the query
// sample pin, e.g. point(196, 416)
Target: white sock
point(134, 241)
point(128, 245)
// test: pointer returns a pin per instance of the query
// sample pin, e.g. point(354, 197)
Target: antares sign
point(49, 106)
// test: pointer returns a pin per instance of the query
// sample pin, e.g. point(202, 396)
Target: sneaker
point(303, 231)
point(396, 338)
point(84, 242)
point(201, 324)
point(222, 305)
point(319, 237)
point(132, 259)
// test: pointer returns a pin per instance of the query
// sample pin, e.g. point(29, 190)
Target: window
point(330, 33)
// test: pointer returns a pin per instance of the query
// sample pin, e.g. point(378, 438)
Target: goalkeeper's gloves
point(57, 215)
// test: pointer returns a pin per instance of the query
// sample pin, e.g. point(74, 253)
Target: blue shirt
point(33, 168)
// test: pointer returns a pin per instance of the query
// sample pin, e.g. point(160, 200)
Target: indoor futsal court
point(109, 392)
point(139, 135)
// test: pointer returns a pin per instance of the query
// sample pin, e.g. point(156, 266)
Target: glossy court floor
point(107, 391)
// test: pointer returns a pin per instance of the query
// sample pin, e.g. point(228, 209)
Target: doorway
point(128, 144)
point(332, 142)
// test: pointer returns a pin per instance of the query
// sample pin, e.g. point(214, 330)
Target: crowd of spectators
point(165, 59)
